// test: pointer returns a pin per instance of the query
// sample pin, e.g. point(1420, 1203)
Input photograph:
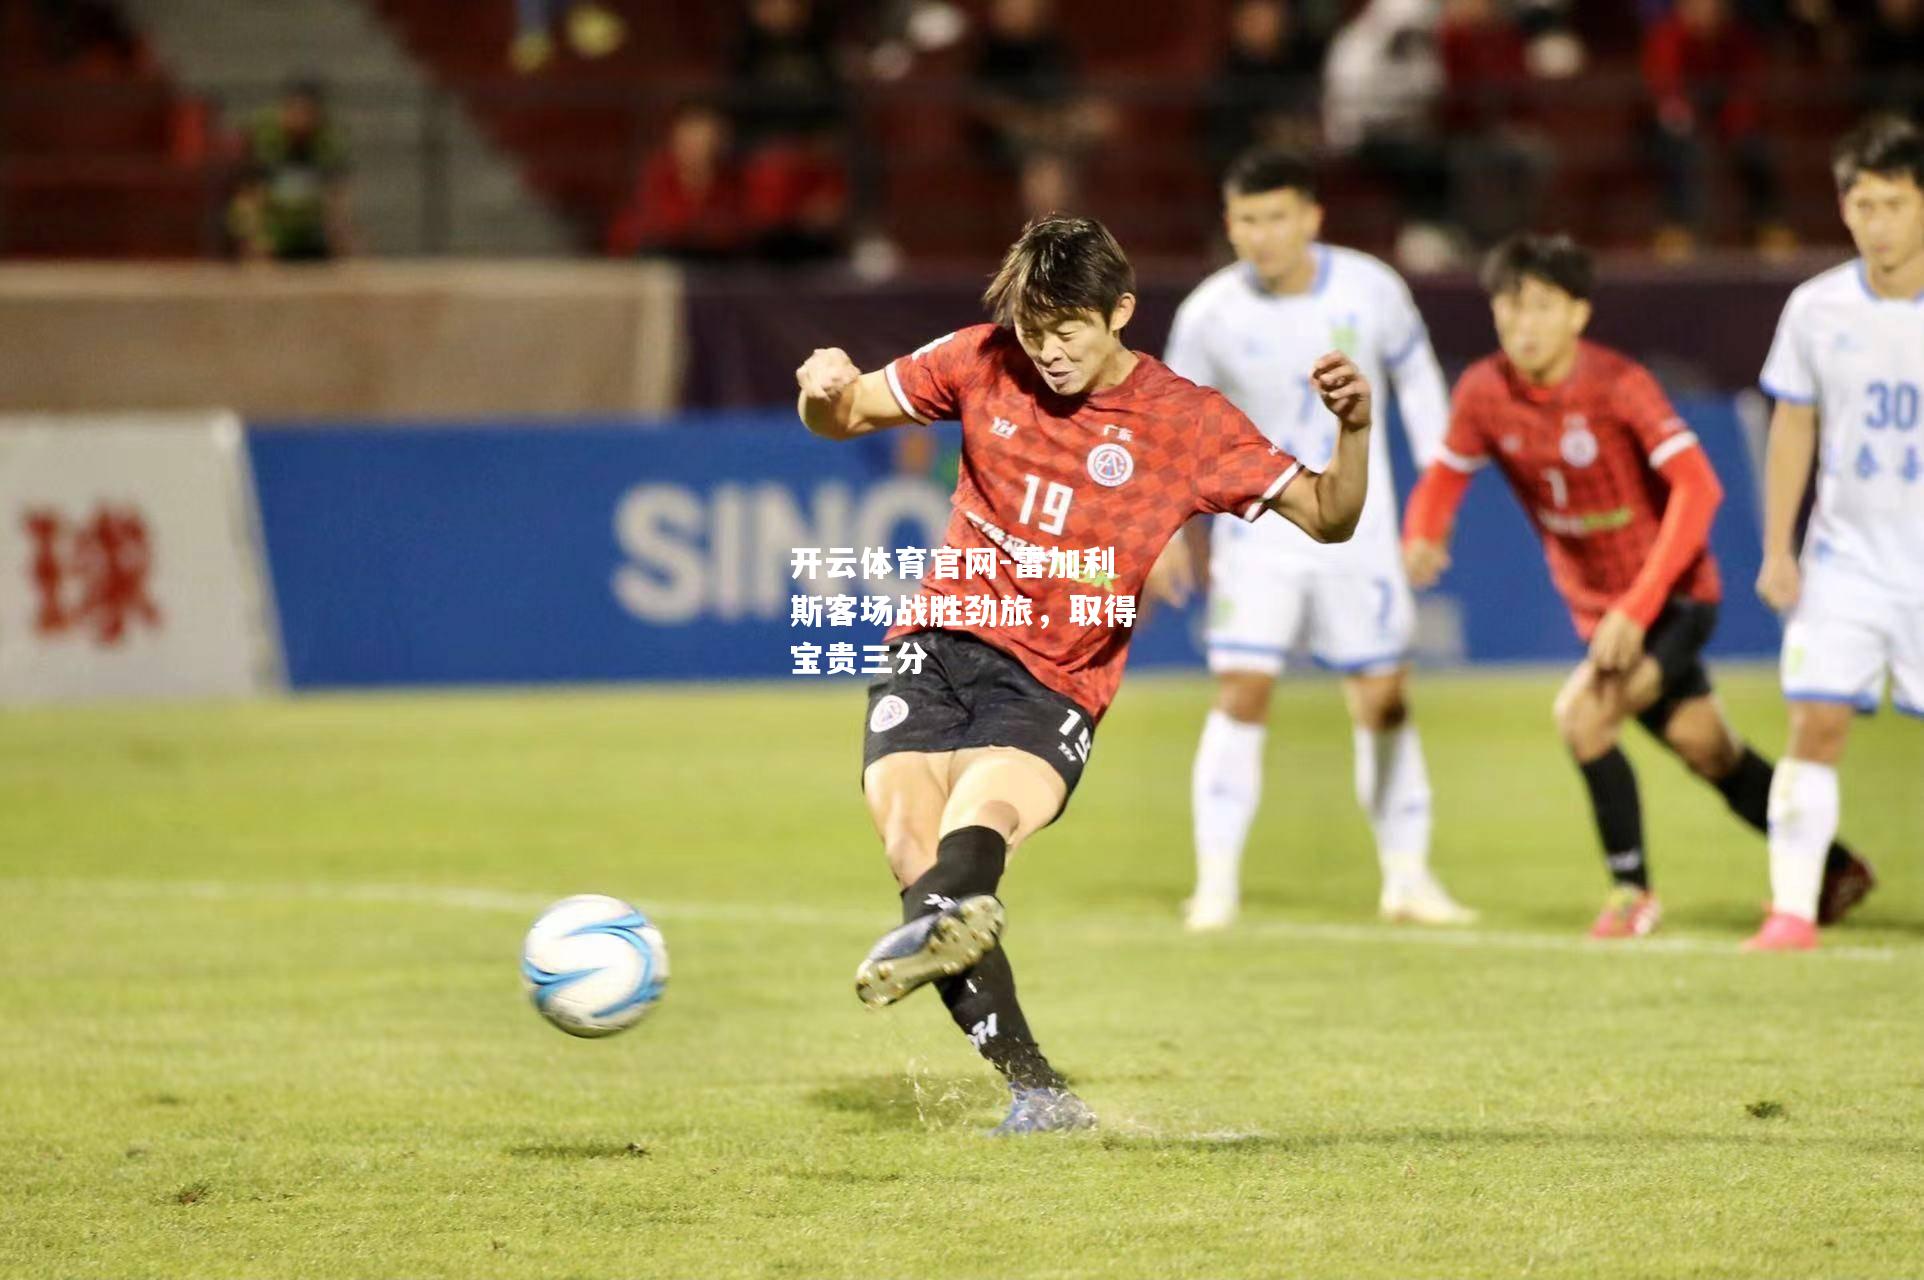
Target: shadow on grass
point(1201, 1143)
point(580, 1151)
point(914, 1100)
point(1417, 1141)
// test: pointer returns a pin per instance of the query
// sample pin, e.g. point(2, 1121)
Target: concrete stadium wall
point(366, 340)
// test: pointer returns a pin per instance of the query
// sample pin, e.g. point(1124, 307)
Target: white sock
point(1393, 786)
point(1803, 822)
point(1224, 788)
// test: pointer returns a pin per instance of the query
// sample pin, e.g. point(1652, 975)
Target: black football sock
point(1619, 813)
point(968, 861)
point(982, 1001)
point(1746, 789)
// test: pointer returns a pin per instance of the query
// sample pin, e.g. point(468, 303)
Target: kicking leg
point(1590, 710)
point(1393, 786)
point(906, 794)
point(1225, 787)
point(1000, 797)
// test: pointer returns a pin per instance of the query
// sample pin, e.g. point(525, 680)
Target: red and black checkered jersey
point(1582, 458)
point(1119, 469)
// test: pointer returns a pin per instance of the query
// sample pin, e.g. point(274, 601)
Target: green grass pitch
point(262, 1016)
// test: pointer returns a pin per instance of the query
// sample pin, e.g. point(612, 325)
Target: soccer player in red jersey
point(1622, 497)
point(1070, 440)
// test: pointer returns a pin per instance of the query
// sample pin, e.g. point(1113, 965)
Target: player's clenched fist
point(826, 373)
point(1424, 561)
point(1779, 583)
point(1343, 388)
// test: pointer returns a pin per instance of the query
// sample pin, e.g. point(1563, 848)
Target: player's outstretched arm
point(838, 401)
point(1328, 507)
point(1428, 523)
point(1787, 463)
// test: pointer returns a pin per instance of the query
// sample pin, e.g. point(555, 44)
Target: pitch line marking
point(474, 898)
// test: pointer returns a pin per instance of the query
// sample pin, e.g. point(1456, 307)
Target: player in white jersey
point(1244, 331)
point(1847, 373)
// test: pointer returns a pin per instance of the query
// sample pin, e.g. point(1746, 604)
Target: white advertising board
point(130, 562)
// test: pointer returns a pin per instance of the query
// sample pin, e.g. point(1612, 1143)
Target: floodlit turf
point(261, 1014)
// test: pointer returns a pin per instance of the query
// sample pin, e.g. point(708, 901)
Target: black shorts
point(1676, 640)
point(971, 694)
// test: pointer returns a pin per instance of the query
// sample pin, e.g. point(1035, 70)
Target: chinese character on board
point(92, 575)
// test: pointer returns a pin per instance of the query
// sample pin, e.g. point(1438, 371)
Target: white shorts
point(1844, 637)
point(1261, 610)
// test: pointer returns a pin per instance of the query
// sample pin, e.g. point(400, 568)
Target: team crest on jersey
point(1111, 465)
point(1579, 444)
point(888, 713)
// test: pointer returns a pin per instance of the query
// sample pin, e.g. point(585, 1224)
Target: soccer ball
point(594, 965)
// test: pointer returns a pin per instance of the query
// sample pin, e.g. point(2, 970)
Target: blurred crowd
point(1464, 120)
point(1437, 101)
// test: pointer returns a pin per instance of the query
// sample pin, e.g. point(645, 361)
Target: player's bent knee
point(1697, 733)
point(1706, 759)
point(1583, 726)
point(999, 816)
point(907, 843)
point(1244, 696)
point(1819, 731)
point(1379, 703)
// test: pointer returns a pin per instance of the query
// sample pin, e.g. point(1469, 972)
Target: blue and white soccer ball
point(594, 965)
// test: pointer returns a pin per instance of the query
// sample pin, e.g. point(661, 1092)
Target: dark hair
point(1887, 145)
point(1061, 265)
point(1555, 260)
point(1270, 169)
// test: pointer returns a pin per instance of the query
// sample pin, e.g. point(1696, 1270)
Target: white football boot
point(1416, 897)
point(1209, 912)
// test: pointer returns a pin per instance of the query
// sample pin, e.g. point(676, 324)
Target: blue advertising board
point(541, 552)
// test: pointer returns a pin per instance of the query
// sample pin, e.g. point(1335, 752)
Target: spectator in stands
point(1031, 112)
point(791, 116)
point(1704, 69)
point(1552, 48)
point(594, 31)
point(1803, 25)
point(1382, 90)
point(1047, 184)
point(901, 31)
point(292, 202)
point(1500, 161)
point(1890, 58)
point(1265, 92)
point(687, 202)
point(90, 31)
point(785, 80)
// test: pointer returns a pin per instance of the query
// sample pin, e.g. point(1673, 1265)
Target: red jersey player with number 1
point(1069, 440)
point(1622, 497)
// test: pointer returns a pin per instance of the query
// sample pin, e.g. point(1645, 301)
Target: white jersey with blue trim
point(1859, 359)
point(1257, 348)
